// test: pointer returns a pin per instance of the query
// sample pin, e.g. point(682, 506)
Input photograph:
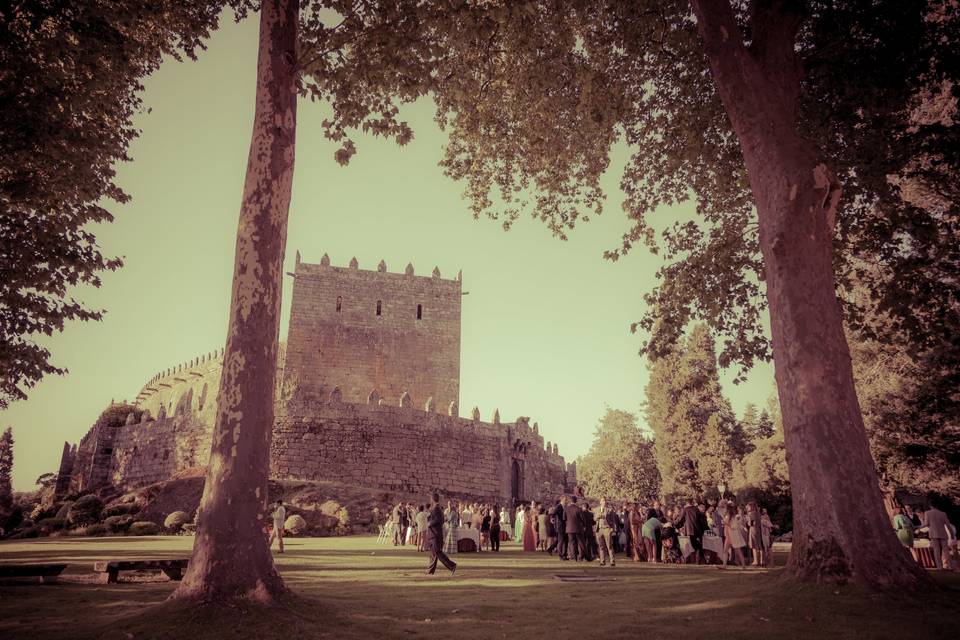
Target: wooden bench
point(46, 573)
point(109, 570)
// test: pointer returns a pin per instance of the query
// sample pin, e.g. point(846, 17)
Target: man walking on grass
point(435, 539)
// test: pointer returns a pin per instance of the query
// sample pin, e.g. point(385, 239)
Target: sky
point(545, 327)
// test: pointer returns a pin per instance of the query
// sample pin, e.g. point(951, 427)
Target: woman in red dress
point(529, 540)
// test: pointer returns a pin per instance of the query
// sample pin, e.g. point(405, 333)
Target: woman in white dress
point(733, 537)
point(505, 522)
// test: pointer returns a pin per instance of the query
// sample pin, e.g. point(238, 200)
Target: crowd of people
point(575, 530)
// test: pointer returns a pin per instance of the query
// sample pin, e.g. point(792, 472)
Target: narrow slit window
point(339, 304)
point(419, 312)
point(379, 308)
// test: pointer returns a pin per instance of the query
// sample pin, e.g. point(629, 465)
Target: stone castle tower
point(368, 387)
point(373, 332)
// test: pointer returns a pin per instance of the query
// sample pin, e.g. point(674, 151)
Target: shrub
point(52, 524)
point(63, 509)
point(121, 508)
point(189, 528)
point(85, 511)
point(13, 519)
point(296, 525)
point(175, 521)
point(91, 530)
point(144, 528)
point(343, 521)
point(118, 524)
point(29, 532)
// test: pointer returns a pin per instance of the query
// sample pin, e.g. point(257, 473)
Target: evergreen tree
point(6, 468)
point(696, 437)
point(620, 464)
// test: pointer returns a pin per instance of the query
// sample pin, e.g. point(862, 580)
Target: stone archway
point(516, 481)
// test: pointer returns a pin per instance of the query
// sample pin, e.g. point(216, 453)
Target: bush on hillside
point(144, 529)
point(51, 524)
point(175, 521)
point(118, 524)
point(92, 530)
point(295, 525)
point(85, 511)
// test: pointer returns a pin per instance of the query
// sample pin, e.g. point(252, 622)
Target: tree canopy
point(70, 76)
point(620, 464)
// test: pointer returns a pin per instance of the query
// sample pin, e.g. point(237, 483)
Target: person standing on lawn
point(560, 524)
point(399, 520)
point(279, 518)
point(435, 539)
point(573, 524)
point(936, 522)
point(494, 530)
point(606, 527)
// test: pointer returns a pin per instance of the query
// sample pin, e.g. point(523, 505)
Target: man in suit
point(560, 528)
point(398, 519)
point(573, 524)
point(937, 524)
point(690, 522)
point(435, 539)
point(606, 526)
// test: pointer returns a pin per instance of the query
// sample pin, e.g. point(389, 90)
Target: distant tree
point(69, 88)
point(620, 463)
point(46, 480)
point(696, 437)
point(6, 468)
point(756, 424)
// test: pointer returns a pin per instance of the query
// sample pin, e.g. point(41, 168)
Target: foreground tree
point(620, 463)
point(359, 66)
point(230, 558)
point(653, 69)
point(796, 195)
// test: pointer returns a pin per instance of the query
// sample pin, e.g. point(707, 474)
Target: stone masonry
point(367, 394)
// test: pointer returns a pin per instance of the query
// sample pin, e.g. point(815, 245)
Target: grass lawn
point(354, 588)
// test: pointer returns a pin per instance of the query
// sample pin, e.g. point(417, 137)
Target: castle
point(368, 386)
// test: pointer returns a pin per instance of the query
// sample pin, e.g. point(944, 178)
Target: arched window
point(339, 303)
point(419, 312)
point(379, 308)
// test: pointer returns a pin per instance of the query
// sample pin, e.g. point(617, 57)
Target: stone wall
point(373, 332)
point(408, 449)
point(154, 450)
point(373, 445)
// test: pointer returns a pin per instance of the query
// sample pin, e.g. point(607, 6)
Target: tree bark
point(841, 530)
point(231, 561)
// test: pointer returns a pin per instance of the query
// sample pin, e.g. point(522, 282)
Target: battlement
point(306, 269)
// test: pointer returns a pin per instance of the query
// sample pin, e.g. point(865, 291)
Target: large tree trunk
point(230, 559)
point(841, 530)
